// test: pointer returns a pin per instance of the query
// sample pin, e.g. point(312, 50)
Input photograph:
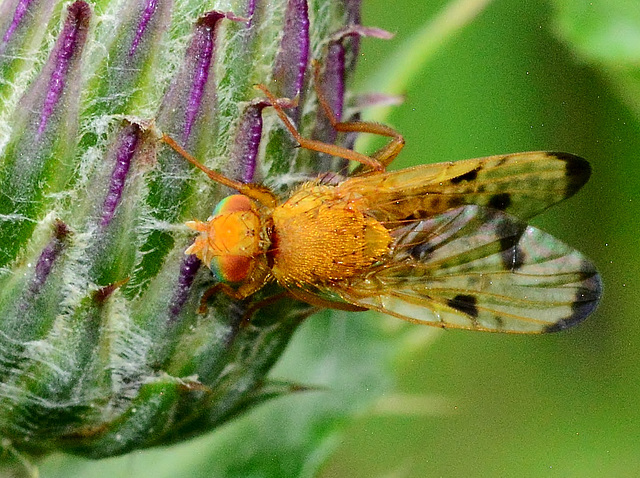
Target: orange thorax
point(320, 237)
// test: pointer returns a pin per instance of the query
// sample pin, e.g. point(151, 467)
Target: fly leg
point(375, 163)
point(258, 278)
point(384, 155)
point(254, 191)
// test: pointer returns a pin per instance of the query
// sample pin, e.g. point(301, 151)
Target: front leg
point(258, 278)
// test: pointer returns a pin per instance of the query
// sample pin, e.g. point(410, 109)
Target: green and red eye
point(233, 203)
point(233, 238)
point(231, 268)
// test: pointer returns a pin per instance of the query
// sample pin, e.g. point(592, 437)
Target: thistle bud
point(102, 348)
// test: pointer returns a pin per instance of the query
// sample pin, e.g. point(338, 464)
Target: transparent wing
point(481, 269)
point(522, 184)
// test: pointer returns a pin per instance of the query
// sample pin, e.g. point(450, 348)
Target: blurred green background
point(398, 400)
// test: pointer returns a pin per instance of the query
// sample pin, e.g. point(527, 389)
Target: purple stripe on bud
point(45, 263)
point(293, 55)
point(247, 142)
point(147, 14)
point(352, 8)
point(333, 79)
point(68, 47)
point(251, 7)
point(353, 17)
point(201, 53)
point(192, 94)
point(126, 145)
point(332, 84)
point(188, 270)
point(18, 15)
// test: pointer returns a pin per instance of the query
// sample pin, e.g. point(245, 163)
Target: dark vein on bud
point(201, 51)
point(18, 16)
point(128, 141)
point(69, 44)
point(188, 270)
point(50, 253)
point(293, 55)
point(246, 143)
point(147, 14)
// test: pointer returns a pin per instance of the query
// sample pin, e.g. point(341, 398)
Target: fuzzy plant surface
point(102, 349)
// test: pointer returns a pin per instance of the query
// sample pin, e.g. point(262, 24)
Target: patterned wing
point(481, 269)
point(522, 184)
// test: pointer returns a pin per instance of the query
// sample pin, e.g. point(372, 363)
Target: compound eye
point(234, 238)
point(233, 203)
point(231, 268)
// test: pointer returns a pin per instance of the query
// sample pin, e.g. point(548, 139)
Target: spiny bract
point(101, 348)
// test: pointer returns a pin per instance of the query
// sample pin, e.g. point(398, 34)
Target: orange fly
point(439, 244)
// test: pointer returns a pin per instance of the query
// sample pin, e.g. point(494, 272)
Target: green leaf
point(605, 34)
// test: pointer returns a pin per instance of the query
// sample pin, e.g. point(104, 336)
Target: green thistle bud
point(102, 350)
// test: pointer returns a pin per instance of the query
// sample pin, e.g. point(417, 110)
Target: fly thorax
point(318, 239)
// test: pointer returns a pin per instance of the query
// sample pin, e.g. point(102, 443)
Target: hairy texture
point(102, 350)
